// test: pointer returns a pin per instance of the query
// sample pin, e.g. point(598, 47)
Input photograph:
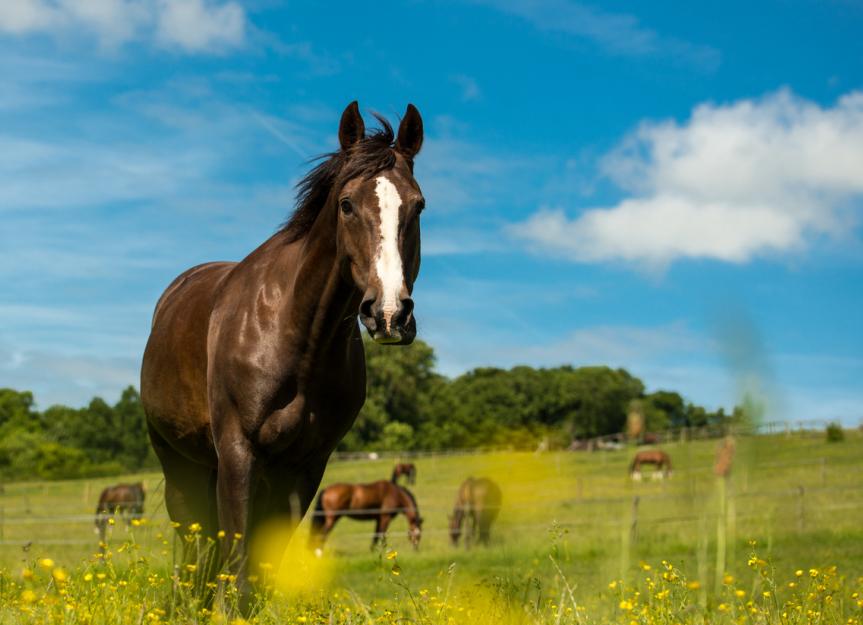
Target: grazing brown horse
point(407, 469)
point(254, 370)
point(656, 457)
point(123, 499)
point(379, 501)
point(477, 503)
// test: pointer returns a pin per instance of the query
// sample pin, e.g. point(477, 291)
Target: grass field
point(575, 534)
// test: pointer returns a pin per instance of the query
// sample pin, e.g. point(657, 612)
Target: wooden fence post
point(721, 518)
point(801, 509)
point(628, 537)
point(701, 557)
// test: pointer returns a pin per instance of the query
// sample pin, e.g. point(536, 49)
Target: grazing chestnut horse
point(407, 469)
point(254, 370)
point(379, 501)
point(478, 504)
point(124, 499)
point(656, 457)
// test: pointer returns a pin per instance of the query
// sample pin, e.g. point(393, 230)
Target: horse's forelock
point(366, 158)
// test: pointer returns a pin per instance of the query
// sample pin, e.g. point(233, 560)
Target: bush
point(835, 433)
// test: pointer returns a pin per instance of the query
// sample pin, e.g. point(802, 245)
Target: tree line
point(409, 405)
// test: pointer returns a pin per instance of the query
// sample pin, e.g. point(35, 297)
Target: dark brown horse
point(126, 500)
point(655, 457)
point(406, 469)
point(379, 501)
point(477, 504)
point(254, 370)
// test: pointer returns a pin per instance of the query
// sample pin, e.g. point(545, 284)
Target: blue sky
point(677, 191)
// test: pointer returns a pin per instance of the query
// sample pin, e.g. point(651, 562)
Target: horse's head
point(455, 527)
point(415, 532)
point(378, 204)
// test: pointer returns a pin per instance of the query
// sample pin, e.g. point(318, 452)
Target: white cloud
point(733, 182)
point(617, 33)
point(190, 25)
point(196, 26)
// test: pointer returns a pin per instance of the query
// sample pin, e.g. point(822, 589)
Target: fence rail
point(596, 443)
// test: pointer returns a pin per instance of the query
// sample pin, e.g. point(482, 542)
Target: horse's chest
point(311, 422)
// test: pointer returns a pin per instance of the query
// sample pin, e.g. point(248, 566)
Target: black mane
point(366, 158)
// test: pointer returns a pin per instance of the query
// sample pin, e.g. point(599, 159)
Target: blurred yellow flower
point(46, 563)
point(392, 555)
point(28, 596)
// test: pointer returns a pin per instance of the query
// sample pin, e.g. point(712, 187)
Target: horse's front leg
point(234, 483)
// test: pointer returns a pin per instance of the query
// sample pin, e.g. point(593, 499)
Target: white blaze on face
point(389, 262)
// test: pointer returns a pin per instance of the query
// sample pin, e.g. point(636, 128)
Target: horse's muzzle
point(399, 329)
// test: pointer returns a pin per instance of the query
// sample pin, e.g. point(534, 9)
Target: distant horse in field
point(477, 504)
point(122, 499)
point(254, 370)
point(660, 460)
point(406, 469)
point(649, 438)
point(379, 501)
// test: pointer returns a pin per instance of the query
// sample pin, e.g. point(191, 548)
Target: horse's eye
point(346, 206)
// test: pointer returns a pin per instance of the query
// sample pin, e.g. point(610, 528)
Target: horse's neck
point(320, 306)
point(409, 507)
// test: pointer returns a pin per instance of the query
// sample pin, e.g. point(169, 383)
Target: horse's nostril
point(406, 310)
point(366, 308)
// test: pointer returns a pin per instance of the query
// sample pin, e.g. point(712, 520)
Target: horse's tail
point(633, 465)
point(395, 476)
point(667, 463)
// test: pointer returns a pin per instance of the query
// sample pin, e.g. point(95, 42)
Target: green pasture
point(798, 496)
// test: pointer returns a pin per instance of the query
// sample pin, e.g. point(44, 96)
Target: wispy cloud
point(71, 379)
point(616, 33)
point(470, 90)
point(195, 26)
point(733, 182)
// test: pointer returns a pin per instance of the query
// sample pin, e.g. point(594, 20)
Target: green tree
point(131, 426)
point(400, 385)
point(16, 409)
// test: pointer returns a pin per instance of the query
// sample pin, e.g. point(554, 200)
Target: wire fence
point(610, 442)
point(851, 497)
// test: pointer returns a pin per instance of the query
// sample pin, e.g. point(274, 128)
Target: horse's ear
point(410, 138)
point(351, 128)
